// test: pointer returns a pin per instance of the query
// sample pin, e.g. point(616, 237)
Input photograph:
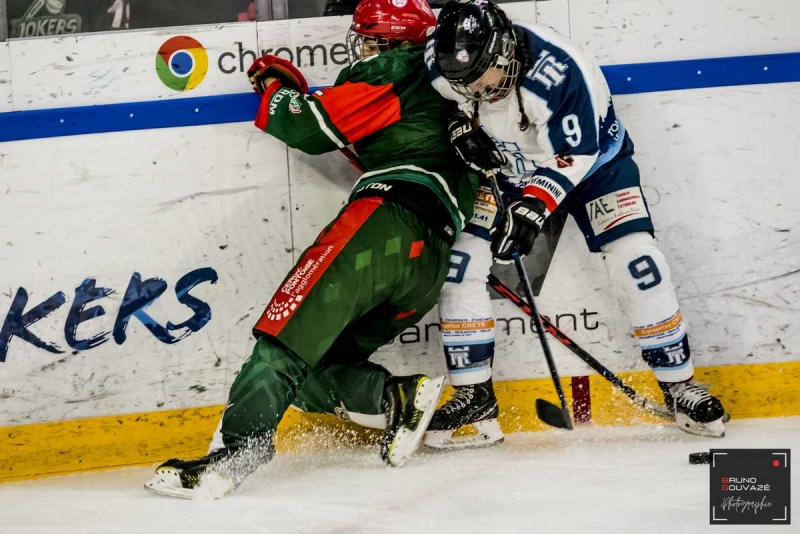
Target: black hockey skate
point(474, 405)
point(409, 403)
point(696, 410)
point(213, 476)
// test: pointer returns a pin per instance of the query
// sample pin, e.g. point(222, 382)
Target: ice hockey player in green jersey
point(375, 270)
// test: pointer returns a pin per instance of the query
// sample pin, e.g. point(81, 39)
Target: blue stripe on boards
point(622, 79)
point(19, 125)
point(699, 73)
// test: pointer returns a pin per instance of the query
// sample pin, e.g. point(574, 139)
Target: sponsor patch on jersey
point(564, 161)
point(619, 207)
point(294, 104)
point(289, 296)
point(485, 208)
point(283, 92)
point(399, 3)
point(462, 56)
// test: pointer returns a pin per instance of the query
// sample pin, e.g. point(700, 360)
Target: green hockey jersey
point(387, 109)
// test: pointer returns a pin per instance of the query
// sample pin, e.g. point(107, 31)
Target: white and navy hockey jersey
point(574, 129)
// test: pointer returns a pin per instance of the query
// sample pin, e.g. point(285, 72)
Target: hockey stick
point(496, 284)
point(548, 412)
point(354, 160)
point(637, 399)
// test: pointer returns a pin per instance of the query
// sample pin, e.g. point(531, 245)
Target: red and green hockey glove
point(270, 66)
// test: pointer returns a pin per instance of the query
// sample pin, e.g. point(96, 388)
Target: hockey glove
point(270, 66)
point(474, 145)
point(521, 223)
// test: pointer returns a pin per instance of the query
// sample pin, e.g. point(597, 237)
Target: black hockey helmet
point(473, 36)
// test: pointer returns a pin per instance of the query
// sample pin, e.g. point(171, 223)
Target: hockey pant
point(639, 274)
point(373, 272)
point(350, 391)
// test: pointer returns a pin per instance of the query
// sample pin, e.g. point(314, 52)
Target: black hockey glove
point(518, 229)
point(474, 145)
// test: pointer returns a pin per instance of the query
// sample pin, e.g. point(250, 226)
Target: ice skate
point(474, 405)
point(409, 405)
point(696, 410)
point(213, 476)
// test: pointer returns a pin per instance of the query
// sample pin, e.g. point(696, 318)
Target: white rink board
point(315, 45)
point(120, 66)
point(107, 68)
point(161, 204)
point(718, 169)
point(723, 262)
point(635, 31)
point(5, 79)
point(554, 13)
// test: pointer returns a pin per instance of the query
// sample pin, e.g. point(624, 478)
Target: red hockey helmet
point(388, 23)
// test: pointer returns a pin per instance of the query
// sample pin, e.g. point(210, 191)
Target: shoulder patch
point(548, 71)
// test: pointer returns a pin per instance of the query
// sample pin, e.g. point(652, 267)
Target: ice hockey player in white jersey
point(554, 136)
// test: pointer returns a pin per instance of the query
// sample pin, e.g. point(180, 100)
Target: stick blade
point(552, 415)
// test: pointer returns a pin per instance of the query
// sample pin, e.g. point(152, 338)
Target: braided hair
point(522, 53)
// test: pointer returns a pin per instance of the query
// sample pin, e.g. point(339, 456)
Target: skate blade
point(488, 434)
point(406, 441)
point(167, 483)
point(714, 429)
point(161, 486)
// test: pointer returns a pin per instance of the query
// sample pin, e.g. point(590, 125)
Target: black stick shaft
point(551, 364)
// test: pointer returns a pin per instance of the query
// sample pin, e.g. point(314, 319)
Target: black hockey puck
point(700, 458)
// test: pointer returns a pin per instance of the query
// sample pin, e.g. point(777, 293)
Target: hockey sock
point(264, 388)
point(641, 276)
point(465, 313)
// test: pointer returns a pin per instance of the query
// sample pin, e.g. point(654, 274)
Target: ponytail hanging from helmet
point(524, 55)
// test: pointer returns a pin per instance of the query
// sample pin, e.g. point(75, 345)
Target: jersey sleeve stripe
point(548, 186)
point(542, 194)
point(323, 126)
point(558, 179)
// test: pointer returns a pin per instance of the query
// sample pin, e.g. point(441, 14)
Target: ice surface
point(605, 480)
